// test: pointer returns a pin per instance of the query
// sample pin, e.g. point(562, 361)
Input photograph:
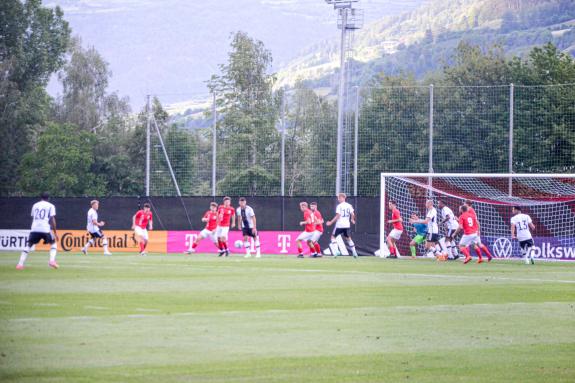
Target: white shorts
point(469, 239)
point(142, 233)
point(396, 234)
point(316, 235)
point(306, 236)
point(222, 231)
point(208, 233)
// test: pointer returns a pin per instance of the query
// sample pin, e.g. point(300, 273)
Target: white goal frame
point(430, 176)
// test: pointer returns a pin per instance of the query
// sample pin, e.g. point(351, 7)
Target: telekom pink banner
point(271, 242)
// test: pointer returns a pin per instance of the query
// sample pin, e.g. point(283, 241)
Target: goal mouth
point(548, 198)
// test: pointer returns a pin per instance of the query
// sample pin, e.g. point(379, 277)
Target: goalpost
point(548, 198)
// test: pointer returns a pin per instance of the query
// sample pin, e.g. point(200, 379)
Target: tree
point(247, 131)
point(61, 164)
point(33, 40)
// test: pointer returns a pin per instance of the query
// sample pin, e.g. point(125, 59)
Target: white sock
point(53, 250)
point(352, 246)
point(257, 244)
point(89, 243)
point(105, 244)
point(247, 245)
point(23, 256)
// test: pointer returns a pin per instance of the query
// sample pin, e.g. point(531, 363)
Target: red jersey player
point(313, 244)
point(226, 215)
point(397, 230)
point(479, 246)
point(468, 223)
point(309, 223)
point(211, 219)
point(140, 222)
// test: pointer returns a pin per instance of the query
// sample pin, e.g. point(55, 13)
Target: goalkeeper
point(420, 234)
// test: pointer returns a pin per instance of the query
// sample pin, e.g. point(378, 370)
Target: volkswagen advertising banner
point(551, 248)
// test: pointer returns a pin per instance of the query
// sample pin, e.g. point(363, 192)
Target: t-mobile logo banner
point(271, 242)
point(545, 247)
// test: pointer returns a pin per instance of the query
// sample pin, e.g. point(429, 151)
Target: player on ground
point(247, 224)
point(93, 227)
point(140, 222)
point(344, 217)
point(432, 239)
point(420, 234)
point(479, 246)
point(314, 243)
point(521, 226)
point(43, 228)
point(211, 219)
point(309, 224)
point(470, 227)
point(226, 219)
point(397, 230)
point(451, 224)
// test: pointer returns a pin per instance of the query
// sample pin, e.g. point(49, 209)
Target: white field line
point(96, 308)
point(46, 304)
point(430, 308)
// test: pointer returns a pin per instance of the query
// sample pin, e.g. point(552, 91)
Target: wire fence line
point(288, 146)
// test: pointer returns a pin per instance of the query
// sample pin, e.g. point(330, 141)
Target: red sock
point(311, 248)
point(486, 250)
point(392, 249)
point(142, 246)
point(194, 245)
point(478, 251)
point(465, 251)
point(225, 245)
point(299, 249)
point(317, 248)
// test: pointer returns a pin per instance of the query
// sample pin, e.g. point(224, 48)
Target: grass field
point(171, 318)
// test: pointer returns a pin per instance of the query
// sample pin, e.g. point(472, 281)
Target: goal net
point(548, 198)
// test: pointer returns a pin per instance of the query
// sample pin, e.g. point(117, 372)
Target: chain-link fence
point(285, 143)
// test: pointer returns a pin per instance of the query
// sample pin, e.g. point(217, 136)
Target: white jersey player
point(93, 227)
point(430, 220)
point(247, 224)
point(344, 217)
point(451, 224)
point(43, 229)
point(521, 226)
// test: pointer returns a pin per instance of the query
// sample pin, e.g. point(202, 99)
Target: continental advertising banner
point(74, 240)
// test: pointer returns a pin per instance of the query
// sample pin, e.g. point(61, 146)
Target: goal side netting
point(548, 198)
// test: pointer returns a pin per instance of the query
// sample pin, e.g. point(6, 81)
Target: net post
point(148, 117)
point(355, 141)
point(283, 144)
point(511, 122)
point(214, 141)
point(382, 213)
point(430, 169)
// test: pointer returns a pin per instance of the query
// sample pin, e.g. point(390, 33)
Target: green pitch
point(172, 318)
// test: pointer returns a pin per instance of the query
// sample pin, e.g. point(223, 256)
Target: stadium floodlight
point(348, 19)
point(548, 198)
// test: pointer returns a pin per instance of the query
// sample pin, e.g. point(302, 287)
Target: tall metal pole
point(511, 112)
point(283, 147)
point(340, 103)
point(167, 158)
point(149, 114)
point(214, 140)
point(430, 169)
point(355, 141)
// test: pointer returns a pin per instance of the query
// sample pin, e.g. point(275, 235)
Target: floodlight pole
point(214, 143)
point(148, 117)
point(340, 101)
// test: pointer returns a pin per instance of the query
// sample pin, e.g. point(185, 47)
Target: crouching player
point(211, 220)
point(420, 234)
